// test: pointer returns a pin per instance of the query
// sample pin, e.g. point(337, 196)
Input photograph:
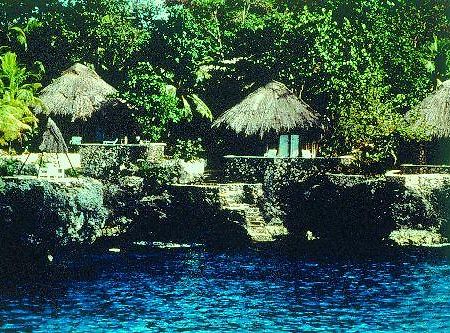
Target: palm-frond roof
point(77, 93)
point(52, 139)
point(434, 111)
point(272, 107)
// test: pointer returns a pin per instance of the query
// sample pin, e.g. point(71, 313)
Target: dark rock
point(38, 215)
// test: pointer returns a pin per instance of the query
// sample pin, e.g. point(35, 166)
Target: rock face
point(303, 203)
point(42, 215)
point(358, 211)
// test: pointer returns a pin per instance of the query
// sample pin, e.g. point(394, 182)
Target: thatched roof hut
point(77, 93)
point(82, 104)
point(434, 111)
point(271, 108)
point(52, 139)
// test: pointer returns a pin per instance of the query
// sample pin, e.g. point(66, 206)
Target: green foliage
point(362, 64)
point(437, 59)
point(17, 94)
point(188, 150)
point(157, 105)
point(158, 175)
point(370, 125)
point(11, 167)
point(73, 172)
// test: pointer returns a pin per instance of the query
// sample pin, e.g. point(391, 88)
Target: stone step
point(236, 207)
point(251, 225)
point(240, 204)
point(260, 236)
point(260, 228)
point(258, 233)
point(256, 221)
point(253, 214)
point(237, 193)
point(231, 197)
point(232, 202)
point(225, 188)
point(235, 199)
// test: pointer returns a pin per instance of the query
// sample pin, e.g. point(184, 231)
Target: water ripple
point(196, 290)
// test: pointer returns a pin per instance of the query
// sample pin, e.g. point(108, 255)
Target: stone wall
point(110, 161)
point(155, 151)
point(424, 169)
point(253, 169)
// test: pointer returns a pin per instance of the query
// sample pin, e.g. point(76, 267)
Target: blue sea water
point(181, 290)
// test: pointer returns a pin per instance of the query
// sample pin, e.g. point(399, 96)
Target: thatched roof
point(272, 107)
point(77, 93)
point(434, 111)
point(52, 139)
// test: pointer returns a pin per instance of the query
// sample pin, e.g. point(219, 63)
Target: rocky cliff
point(39, 217)
point(358, 211)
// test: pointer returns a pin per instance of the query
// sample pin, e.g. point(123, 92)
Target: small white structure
point(50, 171)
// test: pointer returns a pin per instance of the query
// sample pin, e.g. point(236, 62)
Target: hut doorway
point(438, 151)
point(296, 145)
point(289, 145)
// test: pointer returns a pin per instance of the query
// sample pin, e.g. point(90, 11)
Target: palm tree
point(17, 97)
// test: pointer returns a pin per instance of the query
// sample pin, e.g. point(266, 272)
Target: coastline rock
point(43, 216)
point(356, 210)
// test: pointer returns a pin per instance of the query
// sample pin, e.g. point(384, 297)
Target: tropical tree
point(17, 94)
point(157, 101)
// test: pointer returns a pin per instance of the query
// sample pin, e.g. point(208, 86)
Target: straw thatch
point(434, 112)
point(77, 93)
point(272, 107)
point(52, 139)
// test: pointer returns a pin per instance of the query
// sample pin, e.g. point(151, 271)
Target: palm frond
point(201, 108)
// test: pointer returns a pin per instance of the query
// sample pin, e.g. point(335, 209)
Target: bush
point(188, 150)
point(9, 166)
point(157, 175)
point(73, 172)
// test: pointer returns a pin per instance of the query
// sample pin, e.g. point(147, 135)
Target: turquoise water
point(197, 290)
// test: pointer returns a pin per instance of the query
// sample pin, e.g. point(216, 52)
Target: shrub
point(73, 172)
point(188, 150)
point(157, 175)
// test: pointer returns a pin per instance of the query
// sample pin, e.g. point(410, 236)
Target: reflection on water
point(199, 290)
